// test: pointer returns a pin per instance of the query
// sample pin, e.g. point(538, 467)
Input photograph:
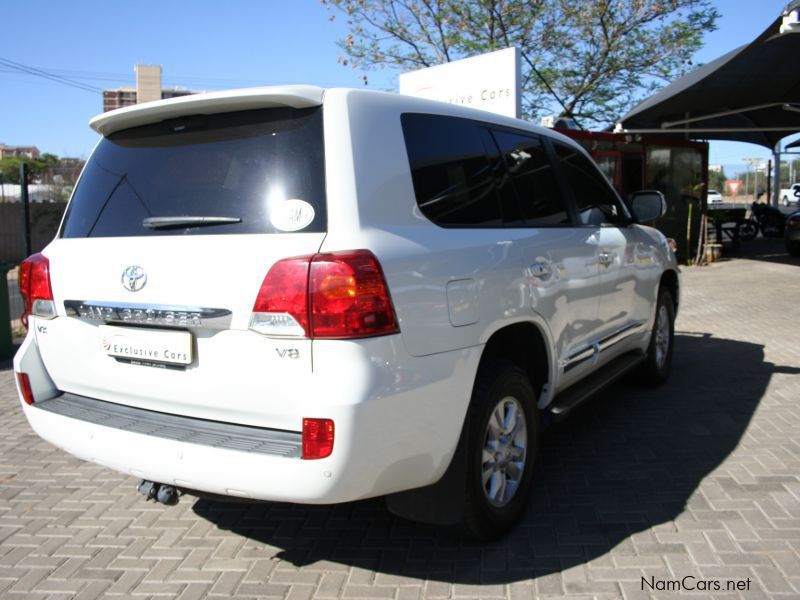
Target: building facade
point(18, 151)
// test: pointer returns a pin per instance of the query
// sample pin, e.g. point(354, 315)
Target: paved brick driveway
point(699, 479)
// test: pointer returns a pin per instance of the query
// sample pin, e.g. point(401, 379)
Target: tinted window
point(241, 165)
point(453, 181)
point(596, 202)
point(503, 185)
point(530, 170)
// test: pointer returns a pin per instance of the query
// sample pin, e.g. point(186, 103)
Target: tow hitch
point(160, 492)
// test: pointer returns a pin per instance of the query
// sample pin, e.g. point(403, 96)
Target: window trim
point(545, 140)
point(627, 220)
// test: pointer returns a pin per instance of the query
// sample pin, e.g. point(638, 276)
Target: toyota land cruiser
point(316, 296)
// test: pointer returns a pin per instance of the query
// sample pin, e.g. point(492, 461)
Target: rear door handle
point(541, 270)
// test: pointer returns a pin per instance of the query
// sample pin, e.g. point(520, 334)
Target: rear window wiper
point(185, 221)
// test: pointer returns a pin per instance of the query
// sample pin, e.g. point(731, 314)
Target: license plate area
point(148, 347)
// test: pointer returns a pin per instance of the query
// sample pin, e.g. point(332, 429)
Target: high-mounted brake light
point(317, 438)
point(336, 295)
point(34, 285)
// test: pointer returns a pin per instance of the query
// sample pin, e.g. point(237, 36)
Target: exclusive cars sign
point(489, 81)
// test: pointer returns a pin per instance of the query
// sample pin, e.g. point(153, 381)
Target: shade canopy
point(751, 94)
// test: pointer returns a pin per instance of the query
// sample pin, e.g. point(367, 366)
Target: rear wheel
point(655, 369)
point(793, 248)
point(503, 437)
point(785, 200)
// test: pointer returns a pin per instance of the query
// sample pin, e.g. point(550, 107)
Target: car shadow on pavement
point(630, 460)
point(762, 249)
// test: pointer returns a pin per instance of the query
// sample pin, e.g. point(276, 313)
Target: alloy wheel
point(504, 451)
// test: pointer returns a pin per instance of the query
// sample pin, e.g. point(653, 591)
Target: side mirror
point(648, 205)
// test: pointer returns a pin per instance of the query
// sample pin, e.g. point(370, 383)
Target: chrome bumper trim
point(149, 314)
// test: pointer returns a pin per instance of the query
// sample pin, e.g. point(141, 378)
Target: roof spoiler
point(294, 96)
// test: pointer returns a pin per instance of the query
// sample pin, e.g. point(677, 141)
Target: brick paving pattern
point(697, 479)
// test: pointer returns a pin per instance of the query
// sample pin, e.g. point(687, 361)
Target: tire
point(658, 360)
point(793, 248)
point(748, 230)
point(497, 486)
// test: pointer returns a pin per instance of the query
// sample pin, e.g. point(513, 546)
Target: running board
point(576, 394)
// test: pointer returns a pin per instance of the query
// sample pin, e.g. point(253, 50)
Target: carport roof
point(751, 94)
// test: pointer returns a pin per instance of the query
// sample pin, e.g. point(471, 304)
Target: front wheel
point(748, 230)
point(658, 360)
point(503, 436)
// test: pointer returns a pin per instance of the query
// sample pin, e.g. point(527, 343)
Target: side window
point(503, 185)
point(530, 169)
point(596, 202)
point(453, 181)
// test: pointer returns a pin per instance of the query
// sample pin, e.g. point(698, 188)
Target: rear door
point(173, 227)
point(560, 258)
point(601, 212)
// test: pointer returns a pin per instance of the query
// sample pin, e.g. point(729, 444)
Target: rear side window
point(453, 181)
point(529, 166)
point(259, 171)
point(597, 204)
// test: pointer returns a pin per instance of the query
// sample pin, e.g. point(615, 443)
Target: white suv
point(317, 296)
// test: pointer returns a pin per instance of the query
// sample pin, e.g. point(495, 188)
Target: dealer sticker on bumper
point(147, 345)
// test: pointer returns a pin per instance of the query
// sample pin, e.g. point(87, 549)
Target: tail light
point(337, 295)
point(34, 285)
point(281, 307)
point(793, 223)
point(317, 438)
point(24, 383)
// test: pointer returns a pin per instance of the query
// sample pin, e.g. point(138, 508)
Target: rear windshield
point(258, 171)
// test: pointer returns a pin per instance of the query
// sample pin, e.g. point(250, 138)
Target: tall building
point(148, 88)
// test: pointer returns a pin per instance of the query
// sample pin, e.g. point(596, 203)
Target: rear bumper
point(396, 429)
point(256, 440)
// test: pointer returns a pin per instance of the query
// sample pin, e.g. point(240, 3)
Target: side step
point(576, 394)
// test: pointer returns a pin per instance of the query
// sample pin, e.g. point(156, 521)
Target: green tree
point(790, 172)
point(716, 180)
point(591, 59)
point(9, 168)
point(38, 168)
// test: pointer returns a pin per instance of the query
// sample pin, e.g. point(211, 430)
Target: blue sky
point(214, 45)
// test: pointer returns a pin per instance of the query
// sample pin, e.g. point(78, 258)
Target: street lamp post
point(755, 163)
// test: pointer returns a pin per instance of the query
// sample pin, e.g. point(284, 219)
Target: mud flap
point(441, 503)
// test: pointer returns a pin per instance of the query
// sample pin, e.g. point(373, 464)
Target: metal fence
point(47, 201)
point(45, 218)
point(14, 301)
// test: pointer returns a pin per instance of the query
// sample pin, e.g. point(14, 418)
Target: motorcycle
point(765, 218)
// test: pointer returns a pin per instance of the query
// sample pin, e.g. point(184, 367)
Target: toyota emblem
point(134, 278)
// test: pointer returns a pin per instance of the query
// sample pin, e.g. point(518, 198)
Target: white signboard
point(488, 81)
